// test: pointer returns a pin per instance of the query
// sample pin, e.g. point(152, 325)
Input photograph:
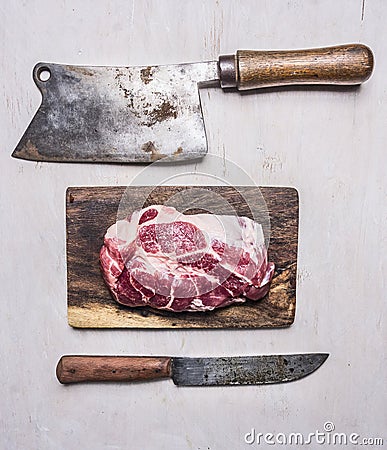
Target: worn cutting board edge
point(91, 306)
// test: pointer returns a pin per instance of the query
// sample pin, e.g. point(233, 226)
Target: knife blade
point(218, 371)
point(153, 113)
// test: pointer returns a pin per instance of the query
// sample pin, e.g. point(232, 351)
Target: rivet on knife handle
point(74, 369)
point(342, 65)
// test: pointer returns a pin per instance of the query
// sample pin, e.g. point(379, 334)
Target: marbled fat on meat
point(161, 258)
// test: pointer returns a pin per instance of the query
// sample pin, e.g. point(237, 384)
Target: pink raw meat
point(164, 259)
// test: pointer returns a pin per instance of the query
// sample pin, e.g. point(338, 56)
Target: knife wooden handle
point(74, 369)
point(341, 65)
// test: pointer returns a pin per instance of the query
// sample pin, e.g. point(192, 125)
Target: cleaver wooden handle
point(74, 369)
point(341, 65)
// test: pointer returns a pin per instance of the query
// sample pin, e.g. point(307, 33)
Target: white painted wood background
point(329, 144)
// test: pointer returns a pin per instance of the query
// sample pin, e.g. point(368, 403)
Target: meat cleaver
point(145, 114)
point(219, 371)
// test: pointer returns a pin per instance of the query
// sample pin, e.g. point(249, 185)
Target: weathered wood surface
point(91, 210)
point(330, 143)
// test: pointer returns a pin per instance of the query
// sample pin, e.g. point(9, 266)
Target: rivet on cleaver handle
point(146, 114)
point(221, 371)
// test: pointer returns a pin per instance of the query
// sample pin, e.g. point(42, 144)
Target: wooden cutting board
point(91, 210)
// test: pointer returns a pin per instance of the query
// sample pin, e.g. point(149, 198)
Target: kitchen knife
point(151, 113)
point(190, 371)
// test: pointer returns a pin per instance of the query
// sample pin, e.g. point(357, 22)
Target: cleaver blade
point(153, 113)
point(219, 371)
point(118, 114)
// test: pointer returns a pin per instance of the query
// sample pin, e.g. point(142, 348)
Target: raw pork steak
point(161, 258)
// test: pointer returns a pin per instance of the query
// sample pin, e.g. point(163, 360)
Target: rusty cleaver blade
point(144, 114)
point(220, 371)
